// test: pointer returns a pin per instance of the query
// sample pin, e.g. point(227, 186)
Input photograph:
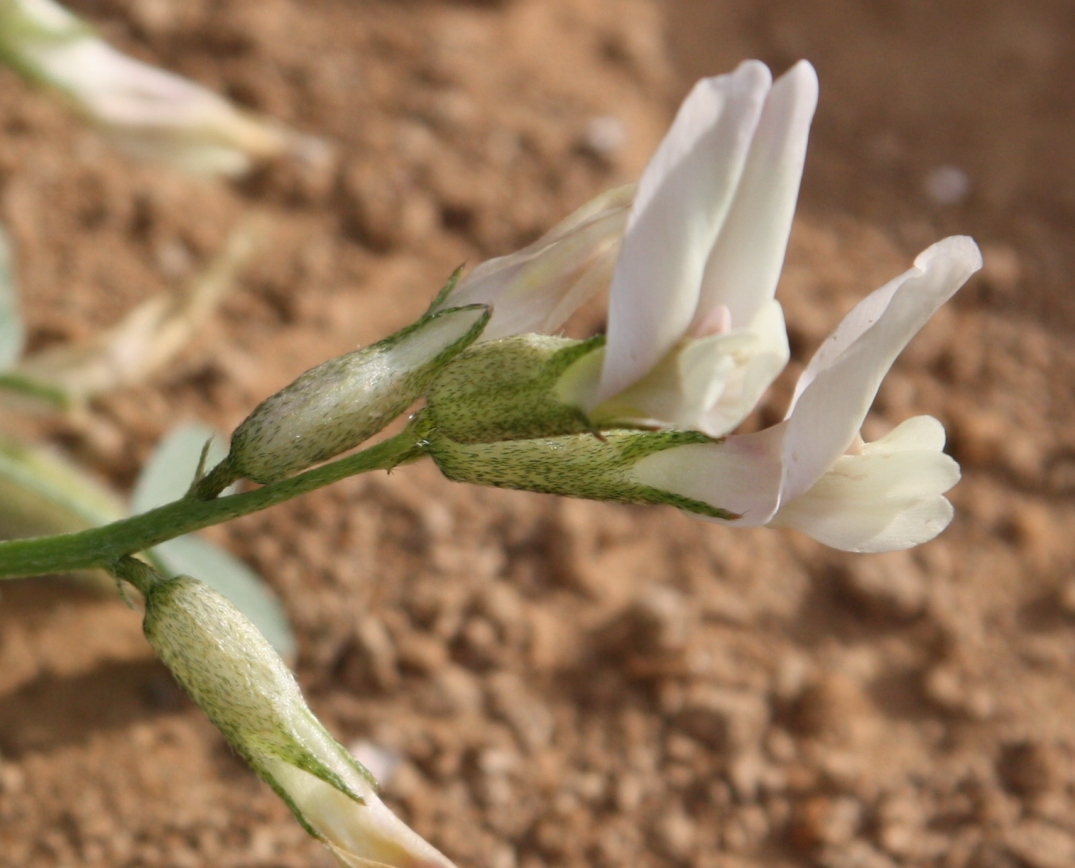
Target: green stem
point(137, 573)
point(104, 546)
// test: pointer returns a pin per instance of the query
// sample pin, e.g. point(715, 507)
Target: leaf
point(11, 334)
point(41, 494)
point(165, 478)
point(170, 470)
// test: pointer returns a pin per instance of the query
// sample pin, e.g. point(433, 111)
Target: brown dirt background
point(569, 683)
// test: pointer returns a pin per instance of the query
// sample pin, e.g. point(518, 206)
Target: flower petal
point(537, 288)
point(358, 834)
point(838, 386)
point(744, 265)
point(886, 498)
point(707, 384)
point(755, 370)
point(739, 474)
point(683, 199)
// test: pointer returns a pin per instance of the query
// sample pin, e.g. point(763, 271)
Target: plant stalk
point(104, 546)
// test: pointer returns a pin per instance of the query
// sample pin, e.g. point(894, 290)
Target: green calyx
point(591, 466)
point(232, 673)
point(508, 390)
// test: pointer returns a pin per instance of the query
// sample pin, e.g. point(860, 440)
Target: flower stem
point(137, 573)
point(104, 546)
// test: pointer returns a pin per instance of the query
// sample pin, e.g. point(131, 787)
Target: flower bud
point(347, 400)
point(247, 691)
point(510, 389)
point(596, 467)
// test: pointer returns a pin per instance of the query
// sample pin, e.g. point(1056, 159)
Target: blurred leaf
point(40, 494)
point(192, 556)
point(35, 394)
point(166, 477)
point(170, 469)
point(11, 336)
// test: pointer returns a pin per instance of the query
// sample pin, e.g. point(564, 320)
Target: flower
point(812, 471)
point(147, 112)
point(695, 337)
point(231, 671)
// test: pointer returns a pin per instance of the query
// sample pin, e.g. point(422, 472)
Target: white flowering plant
point(647, 413)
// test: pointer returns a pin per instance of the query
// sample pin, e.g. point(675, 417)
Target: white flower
point(812, 471)
point(147, 112)
point(695, 337)
point(359, 835)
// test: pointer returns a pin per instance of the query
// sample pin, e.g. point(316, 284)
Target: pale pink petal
point(755, 370)
point(677, 391)
point(708, 384)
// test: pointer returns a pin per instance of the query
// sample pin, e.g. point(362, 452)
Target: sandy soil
point(569, 683)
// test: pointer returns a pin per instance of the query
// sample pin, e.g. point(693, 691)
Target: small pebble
point(456, 690)
point(529, 718)
point(675, 833)
point(1027, 768)
point(605, 135)
point(1002, 268)
point(826, 820)
point(947, 185)
point(947, 687)
point(1066, 597)
point(1041, 845)
point(724, 719)
point(835, 706)
point(658, 621)
point(12, 779)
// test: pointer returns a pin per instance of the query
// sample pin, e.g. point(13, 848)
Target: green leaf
point(170, 470)
point(11, 334)
point(42, 494)
point(167, 477)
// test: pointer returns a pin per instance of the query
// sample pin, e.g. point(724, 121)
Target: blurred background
point(551, 682)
